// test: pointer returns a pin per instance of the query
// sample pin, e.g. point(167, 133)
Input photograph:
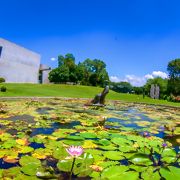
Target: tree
point(68, 61)
point(138, 90)
point(60, 74)
point(89, 72)
point(174, 77)
point(122, 87)
point(162, 83)
point(95, 72)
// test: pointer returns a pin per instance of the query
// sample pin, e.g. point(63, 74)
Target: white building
point(17, 64)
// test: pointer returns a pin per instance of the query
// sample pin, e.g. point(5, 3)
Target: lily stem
point(70, 177)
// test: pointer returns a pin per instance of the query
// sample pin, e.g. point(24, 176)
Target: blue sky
point(135, 38)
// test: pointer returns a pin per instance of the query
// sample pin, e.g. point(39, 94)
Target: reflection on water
point(5, 165)
point(54, 126)
point(36, 145)
point(44, 110)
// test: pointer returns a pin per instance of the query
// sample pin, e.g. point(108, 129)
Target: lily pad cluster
point(121, 140)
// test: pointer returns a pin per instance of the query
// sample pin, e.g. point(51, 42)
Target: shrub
point(2, 80)
point(3, 89)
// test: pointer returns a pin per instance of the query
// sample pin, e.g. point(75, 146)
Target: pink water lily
point(75, 151)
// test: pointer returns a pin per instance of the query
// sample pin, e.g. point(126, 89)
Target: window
point(0, 51)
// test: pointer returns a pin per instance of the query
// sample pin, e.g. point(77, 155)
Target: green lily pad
point(169, 159)
point(168, 152)
point(103, 142)
point(95, 175)
point(60, 153)
point(114, 155)
point(26, 149)
point(121, 141)
point(141, 159)
point(127, 148)
point(108, 164)
point(171, 173)
point(11, 173)
point(110, 147)
point(71, 142)
point(77, 138)
point(29, 160)
point(130, 175)
point(137, 168)
point(30, 169)
point(65, 165)
point(88, 135)
point(113, 172)
point(149, 174)
point(9, 144)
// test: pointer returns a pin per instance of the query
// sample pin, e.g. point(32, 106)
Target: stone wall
point(17, 64)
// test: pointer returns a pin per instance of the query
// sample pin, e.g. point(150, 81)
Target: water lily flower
point(146, 134)
point(75, 151)
point(164, 145)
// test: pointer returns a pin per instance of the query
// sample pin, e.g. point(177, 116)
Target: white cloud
point(114, 79)
point(132, 79)
point(139, 81)
point(53, 59)
point(135, 80)
point(149, 76)
point(159, 74)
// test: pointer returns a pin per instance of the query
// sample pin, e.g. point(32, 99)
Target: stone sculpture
point(154, 91)
point(99, 99)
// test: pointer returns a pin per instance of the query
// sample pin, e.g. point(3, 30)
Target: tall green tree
point(174, 77)
point(95, 72)
point(68, 61)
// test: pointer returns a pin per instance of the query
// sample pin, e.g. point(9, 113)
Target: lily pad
point(141, 159)
point(88, 135)
point(113, 172)
point(114, 155)
point(170, 173)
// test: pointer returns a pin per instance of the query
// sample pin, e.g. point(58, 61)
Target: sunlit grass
point(74, 91)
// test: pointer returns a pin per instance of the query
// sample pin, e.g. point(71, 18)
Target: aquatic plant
point(74, 151)
point(131, 143)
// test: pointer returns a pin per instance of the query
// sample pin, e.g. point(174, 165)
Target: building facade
point(44, 71)
point(17, 64)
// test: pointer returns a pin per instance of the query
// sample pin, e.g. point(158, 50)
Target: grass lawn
point(74, 91)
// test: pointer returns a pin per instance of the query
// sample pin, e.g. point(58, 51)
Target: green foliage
point(94, 72)
point(122, 87)
point(81, 167)
point(3, 89)
point(89, 72)
point(141, 159)
point(174, 77)
point(162, 83)
point(60, 74)
point(105, 149)
point(2, 80)
point(138, 90)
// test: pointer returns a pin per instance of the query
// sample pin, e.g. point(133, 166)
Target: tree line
point(94, 73)
point(169, 87)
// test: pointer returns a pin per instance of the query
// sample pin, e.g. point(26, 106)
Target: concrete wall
point(18, 64)
point(45, 75)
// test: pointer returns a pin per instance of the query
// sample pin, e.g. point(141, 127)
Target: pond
point(121, 140)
